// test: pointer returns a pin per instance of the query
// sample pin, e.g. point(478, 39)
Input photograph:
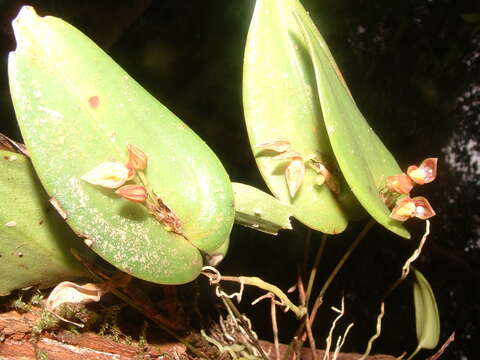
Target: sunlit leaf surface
point(77, 109)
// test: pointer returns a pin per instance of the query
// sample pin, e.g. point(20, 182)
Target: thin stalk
point(319, 299)
point(313, 272)
point(345, 257)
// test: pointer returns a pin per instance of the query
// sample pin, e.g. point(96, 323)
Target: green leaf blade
point(34, 241)
point(280, 101)
point(76, 109)
point(363, 159)
point(427, 319)
point(259, 210)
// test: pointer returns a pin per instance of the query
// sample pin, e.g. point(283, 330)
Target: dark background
point(413, 68)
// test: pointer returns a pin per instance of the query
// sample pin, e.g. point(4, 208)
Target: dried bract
point(290, 154)
point(278, 144)
point(294, 174)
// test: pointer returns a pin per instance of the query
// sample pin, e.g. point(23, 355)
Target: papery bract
point(278, 144)
point(108, 174)
point(426, 173)
point(294, 174)
point(290, 154)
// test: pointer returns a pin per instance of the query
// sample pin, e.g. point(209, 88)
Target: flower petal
point(400, 183)
point(404, 209)
point(108, 174)
point(423, 209)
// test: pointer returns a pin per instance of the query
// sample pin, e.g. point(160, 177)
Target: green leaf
point(280, 100)
point(426, 313)
point(77, 109)
point(259, 210)
point(34, 241)
point(363, 159)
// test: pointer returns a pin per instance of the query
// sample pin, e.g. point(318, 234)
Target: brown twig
point(439, 353)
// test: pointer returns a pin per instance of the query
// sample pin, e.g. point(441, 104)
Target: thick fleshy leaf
point(259, 210)
point(77, 109)
point(35, 242)
point(280, 102)
point(426, 313)
point(363, 159)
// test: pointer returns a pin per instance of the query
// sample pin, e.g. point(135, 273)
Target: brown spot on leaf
point(94, 101)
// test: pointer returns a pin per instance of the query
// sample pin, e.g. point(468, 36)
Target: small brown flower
point(135, 193)
point(423, 209)
point(404, 209)
point(400, 183)
point(137, 159)
point(407, 208)
point(426, 173)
